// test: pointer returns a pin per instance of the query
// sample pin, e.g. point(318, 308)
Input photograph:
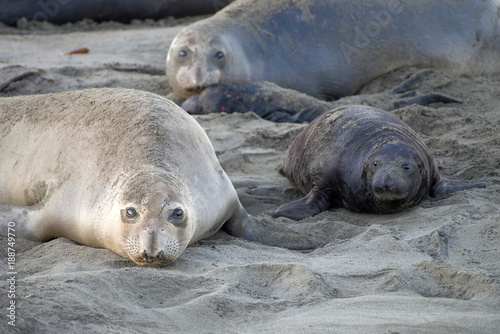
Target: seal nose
point(197, 83)
point(384, 188)
point(388, 185)
point(160, 255)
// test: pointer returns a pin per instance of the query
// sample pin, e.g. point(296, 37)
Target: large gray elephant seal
point(364, 159)
point(64, 11)
point(331, 48)
point(112, 168)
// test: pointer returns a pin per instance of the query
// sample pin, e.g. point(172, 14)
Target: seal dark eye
point(130, 213)
point(375, 164)
point(182, 53)
point(406, 166)
point(178, 213)
point(219, 55)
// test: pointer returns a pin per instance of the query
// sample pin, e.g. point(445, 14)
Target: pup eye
point(182, 53)
point(406, 166)
point(219, 55)
point(130, 213)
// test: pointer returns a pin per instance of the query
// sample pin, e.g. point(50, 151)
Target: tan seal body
point(364, 159)
point(113, 168)
point(331, 48)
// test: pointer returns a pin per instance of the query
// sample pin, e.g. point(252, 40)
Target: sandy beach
point(432, 269)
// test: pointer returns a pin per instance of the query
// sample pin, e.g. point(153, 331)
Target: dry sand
point(432, 269)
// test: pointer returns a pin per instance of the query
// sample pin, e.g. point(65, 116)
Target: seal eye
point(375, 164)
point(178, 213)
point(182, 53)
point(219, 55)
point(406, 166)
point(130, 213)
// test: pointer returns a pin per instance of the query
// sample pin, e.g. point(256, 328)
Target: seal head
point(201, 56)
point(155, 224)
point(197, 59)
point(394, 177)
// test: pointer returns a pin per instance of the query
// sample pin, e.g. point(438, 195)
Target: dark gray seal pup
point(364, 159)
point(64, 11)
point(331, 48)
point(120, 169)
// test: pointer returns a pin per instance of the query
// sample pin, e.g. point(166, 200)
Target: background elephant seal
point(64, 11)
point(331, 48)
point(113, 168)
point(364, 159)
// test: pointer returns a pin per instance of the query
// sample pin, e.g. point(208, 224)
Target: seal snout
point(201, 79)
point(154, 248)
point(159, 256)
point(194, 89)
point(191, 80)
point(389, 185)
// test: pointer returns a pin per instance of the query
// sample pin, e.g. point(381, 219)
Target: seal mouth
point(389, 195)
point(389, 185)
point(195, 88)
point(153, 263)
point(161, 259)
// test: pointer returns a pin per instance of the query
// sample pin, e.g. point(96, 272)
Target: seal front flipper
point(314, 203)
point(425, 100)
point(408, 92)
point(444, 187)
point(413, 82)
point(241, 225)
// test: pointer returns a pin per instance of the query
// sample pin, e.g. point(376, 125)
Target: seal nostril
point(160, 255)
point(144, 255)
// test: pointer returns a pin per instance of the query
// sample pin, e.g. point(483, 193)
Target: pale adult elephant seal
point(364, 159)
point(331, 48)
point(112, 168)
